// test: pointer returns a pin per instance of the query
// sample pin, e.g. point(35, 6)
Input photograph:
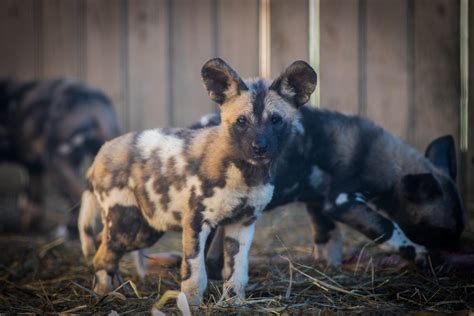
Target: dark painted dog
point(52, 127)
point(158, 180)
point(343, 167)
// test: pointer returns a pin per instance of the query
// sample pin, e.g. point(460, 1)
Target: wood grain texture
point(339, 55)
point(192, 46)
point(437, 83)
point(387, 73)
point(469, 161)
point(105, 63)
point(19, 39)
point(289, 33)
point(237, 28)
point(60, 49)
point(148, 46)
point(147, 55)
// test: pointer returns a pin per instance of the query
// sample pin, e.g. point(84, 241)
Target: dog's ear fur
point(296, 83)
point(221, 81)
point(421, 187)
point(442, 153)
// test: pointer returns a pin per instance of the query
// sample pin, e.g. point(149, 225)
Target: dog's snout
point(260, 146)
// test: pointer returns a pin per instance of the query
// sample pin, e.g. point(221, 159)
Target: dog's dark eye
point(242, 121)
point(276, 119)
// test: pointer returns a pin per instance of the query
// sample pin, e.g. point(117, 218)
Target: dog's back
point(58, 117)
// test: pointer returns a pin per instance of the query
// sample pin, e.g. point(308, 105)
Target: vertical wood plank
point(19, 39)
point(469, 164)
point(238, 35)
point(60, 43)
point(437, 75)
point(105, 63)
point(339, 55)
point(192, 45)
point(387, 73)
point(289, 33)
point(149, 86)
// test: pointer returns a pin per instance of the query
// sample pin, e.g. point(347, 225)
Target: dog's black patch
point(259, 92)
point(129, 230)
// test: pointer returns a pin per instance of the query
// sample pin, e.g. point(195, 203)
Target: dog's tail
point(88, 218)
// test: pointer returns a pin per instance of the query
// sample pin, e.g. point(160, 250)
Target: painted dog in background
point(52, 127)
point(158, 180)
point(344, 166)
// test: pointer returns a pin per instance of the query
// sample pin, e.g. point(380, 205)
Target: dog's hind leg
point(106, 262)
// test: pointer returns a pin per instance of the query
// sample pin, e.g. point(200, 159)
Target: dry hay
point(38, 276)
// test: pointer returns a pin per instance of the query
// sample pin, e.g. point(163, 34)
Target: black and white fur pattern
point(158, 180)
point(343, 167)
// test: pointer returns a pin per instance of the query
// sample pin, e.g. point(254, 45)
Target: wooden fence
point(395, 61)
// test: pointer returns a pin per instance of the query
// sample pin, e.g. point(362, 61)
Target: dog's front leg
point(65, 177)
point(32, 212)
point(215, 255)
point(328, 240)
point(193, 268)
point(237, 241)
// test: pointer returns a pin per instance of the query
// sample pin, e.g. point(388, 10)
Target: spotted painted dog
point(52, 127)
point(343, 167)
point(158, 180)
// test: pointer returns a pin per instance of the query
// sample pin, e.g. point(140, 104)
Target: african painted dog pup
point(52, 128)
point(344, 166)
point(150, 182)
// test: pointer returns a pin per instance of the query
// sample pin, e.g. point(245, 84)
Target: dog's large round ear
point(442, 153)
point(296, 83)
point(221, 81)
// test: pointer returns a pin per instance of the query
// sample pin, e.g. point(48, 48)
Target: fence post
point(264, 35)
point(314, 44)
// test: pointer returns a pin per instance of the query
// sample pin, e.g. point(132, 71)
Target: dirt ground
point(41, 274)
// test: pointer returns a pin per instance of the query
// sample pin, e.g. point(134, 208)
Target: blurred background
point(398, 62)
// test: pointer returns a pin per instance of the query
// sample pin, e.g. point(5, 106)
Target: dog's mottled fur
point(52, 126)
point(344, 166)
point(158, 180)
